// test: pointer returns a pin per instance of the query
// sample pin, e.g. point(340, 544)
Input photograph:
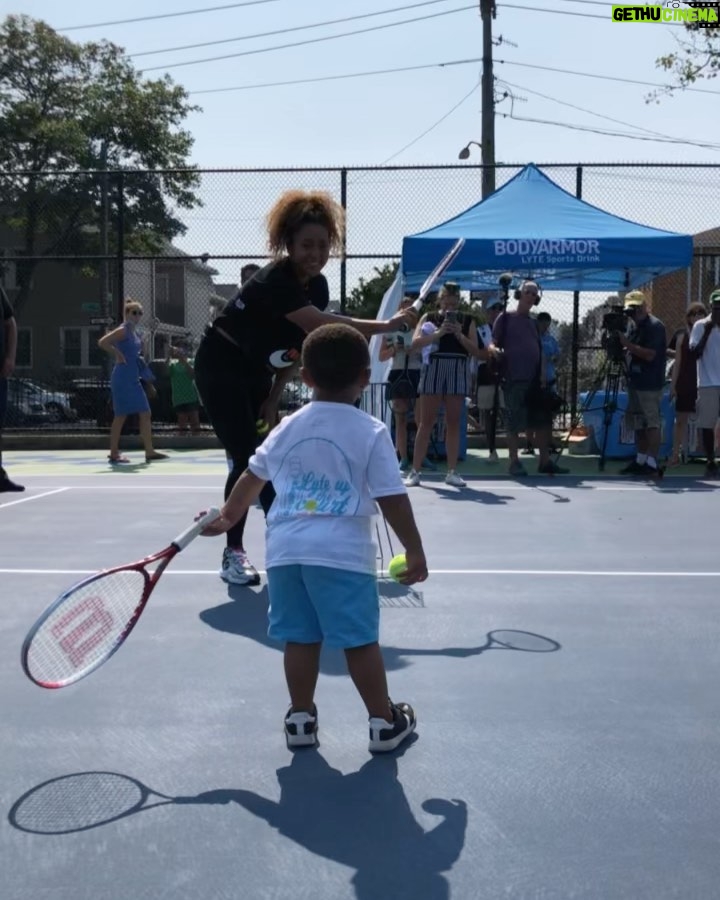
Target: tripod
point(609, 376)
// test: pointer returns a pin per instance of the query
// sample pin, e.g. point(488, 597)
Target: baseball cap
point(634, 298)
point(715, 296)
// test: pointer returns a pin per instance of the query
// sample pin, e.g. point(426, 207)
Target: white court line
point(553, 573)
point(586, 488)
point(34, 497)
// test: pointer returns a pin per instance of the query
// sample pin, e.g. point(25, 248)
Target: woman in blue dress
point(128, 395)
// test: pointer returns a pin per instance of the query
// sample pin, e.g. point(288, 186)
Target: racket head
point(91, 620)
point(526, 641)
point(87, 624)
point(441, 267)
point(79, 802)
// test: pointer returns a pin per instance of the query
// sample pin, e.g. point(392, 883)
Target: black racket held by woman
point(90, 621)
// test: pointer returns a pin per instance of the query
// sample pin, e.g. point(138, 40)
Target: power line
point(269, 84)
point(447, 63)
point(591, 112)
point(622, 134)
point(250, 37)
point(560, 12)
point(187, 12)
point(508, 62)
point(433, 126)
point(332, 37)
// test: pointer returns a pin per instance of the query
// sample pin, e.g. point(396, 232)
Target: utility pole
point(487, 14)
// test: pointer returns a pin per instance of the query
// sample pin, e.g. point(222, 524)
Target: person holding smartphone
point(444, 380)
point(402, 384)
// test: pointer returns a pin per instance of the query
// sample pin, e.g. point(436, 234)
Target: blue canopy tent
point(533, 228)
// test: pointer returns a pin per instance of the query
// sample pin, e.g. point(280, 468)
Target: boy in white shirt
point(330, 463)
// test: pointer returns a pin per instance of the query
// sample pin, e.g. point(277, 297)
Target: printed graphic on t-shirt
point(322, 489)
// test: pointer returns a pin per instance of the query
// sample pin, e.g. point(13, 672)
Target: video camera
point(615, 319)
point(614, 323)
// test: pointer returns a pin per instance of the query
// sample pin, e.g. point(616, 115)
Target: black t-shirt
point(448, 343)
point(6, 312)
point(256, 318)
point(648, 376)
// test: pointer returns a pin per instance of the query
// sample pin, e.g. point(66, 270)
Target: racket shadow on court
point(361, 819)
point(499, 639)
point(245, 615)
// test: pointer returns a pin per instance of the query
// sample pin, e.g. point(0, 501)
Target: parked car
point(91, 398)
point(24, 409)
point(58, 404)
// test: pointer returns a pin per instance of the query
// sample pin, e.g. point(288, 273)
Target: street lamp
point(465, 152)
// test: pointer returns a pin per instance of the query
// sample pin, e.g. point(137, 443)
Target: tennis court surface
point(562, 659)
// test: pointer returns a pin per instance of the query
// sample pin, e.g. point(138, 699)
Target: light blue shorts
point(310, 604)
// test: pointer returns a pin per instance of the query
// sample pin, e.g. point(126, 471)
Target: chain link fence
point(74, 245)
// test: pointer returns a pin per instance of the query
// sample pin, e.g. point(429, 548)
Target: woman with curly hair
point(246, 356)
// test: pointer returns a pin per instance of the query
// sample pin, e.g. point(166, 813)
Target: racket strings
point(77, 802)
point(85, 626)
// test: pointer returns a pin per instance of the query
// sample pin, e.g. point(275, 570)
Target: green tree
point(365, 298)
point(68, 109)
point(697, 57)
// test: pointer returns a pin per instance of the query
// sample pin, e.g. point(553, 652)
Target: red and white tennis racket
point(90, 621)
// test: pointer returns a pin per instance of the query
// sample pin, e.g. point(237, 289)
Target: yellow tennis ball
point(262, 426)
point(397, 567)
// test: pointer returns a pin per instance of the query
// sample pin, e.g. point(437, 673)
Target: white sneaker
point(301, 728)
point(493, 457)
point(385, 735)
point(237, 568)
point(413, 479)
point(454, 479)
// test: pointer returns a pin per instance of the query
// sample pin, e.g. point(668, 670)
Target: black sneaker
point(301, 728)
point(7, 486)
point(633, 468)
point(711, 470)
point(653, 472)
point(552, 468)
point(386, 736)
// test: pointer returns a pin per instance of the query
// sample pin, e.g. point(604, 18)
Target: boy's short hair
point(544, 317)
point(335, 356)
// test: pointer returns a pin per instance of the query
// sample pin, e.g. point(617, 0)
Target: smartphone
point(451, 316)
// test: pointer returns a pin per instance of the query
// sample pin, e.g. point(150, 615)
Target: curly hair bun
point(296, 209)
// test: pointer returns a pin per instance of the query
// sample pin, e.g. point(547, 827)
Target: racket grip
point(183, 539)
point(417, 309)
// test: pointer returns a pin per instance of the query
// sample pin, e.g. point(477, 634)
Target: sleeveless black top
point(449, 345)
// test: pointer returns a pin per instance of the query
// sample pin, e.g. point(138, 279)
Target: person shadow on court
point(246, 615)
point(361, 820)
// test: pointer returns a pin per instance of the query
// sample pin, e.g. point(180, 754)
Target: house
point(66, 313)
point(670, 295)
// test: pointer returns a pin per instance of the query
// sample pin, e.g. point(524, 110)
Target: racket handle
point(183, 539)
point(417, 308)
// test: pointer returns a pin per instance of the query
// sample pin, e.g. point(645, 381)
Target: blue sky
point(370, 120)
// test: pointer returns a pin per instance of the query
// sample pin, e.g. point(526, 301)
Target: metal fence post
point(121, 245)
point(343, 249)
point(574, 368)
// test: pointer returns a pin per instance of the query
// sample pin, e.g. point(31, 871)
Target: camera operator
point(645, 345)
point(705, 348)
